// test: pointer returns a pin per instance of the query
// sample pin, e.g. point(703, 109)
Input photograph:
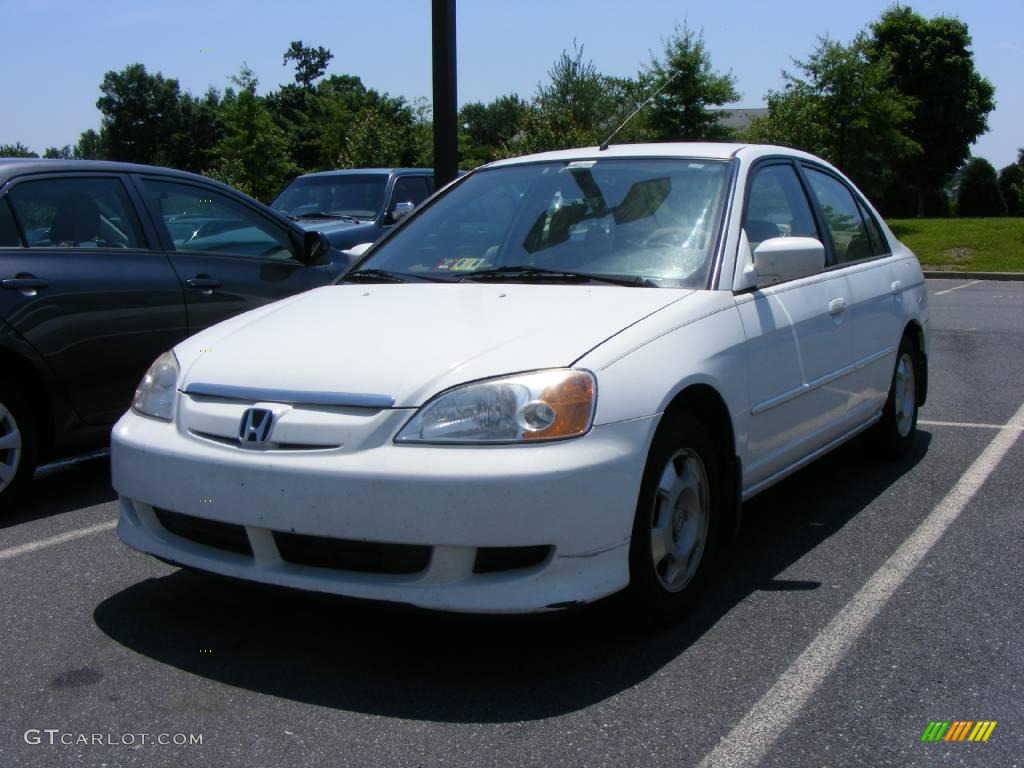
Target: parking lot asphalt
point(862, 601)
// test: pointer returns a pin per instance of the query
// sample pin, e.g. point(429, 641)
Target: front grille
point(234, 442)
point(210, 533)
point(496, 559)
point(351, 555)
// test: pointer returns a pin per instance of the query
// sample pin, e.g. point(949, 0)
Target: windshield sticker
point(581, 164)
point(459, 265)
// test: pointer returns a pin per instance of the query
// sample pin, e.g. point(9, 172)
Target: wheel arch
point(706, 404)
point(34, 388)
point(915, 332)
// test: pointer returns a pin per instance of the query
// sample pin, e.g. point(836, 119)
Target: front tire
point(894, 433)
point(17, 445)
point(678, 516)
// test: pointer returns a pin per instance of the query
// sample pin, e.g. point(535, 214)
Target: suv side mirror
point(315, 247)
point(401, 210)
point(787, 258)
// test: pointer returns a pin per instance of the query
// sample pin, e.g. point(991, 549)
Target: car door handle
point(837, 306)
point(203, 283)
point(897, 287)
point(23, 283)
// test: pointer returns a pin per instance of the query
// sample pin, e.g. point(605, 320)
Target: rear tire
point(677, 522)
point(893, 435)
point(17, 445)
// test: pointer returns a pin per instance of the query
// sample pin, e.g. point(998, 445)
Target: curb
point(950, 275)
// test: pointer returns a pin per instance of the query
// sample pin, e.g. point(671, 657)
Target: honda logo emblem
point(255, 427)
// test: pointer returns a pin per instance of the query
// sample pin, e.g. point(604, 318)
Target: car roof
point(369, 172)
point(683, 149)
point(12, 167)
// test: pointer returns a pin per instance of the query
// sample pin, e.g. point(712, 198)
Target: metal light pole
point(446, 130)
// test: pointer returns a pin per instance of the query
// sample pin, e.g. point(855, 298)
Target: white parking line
point(956, 288)
point(751, 738)
point(32, 546)
point(970, 424)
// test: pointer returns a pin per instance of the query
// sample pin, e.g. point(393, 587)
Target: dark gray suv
point(355, 206)
point(104, 266)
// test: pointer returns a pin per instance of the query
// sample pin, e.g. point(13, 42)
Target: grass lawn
point(981, 245)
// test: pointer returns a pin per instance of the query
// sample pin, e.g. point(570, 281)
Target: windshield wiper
point(327, 215)
point(374, 275)
point(542, 274)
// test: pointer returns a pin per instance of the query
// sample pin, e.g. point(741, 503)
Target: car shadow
point(63, 487)
point(454, 668)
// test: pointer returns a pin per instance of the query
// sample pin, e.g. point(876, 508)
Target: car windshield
point(650, 221)
point(357, 195)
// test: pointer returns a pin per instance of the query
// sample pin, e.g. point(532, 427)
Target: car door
point(876, 289)
point(86, 288)
point(798, 343)
point(230, 256)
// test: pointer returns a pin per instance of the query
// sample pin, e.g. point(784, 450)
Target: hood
point(405, 343)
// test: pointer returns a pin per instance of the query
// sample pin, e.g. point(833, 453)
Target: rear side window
point(76, 213)
point(850, 241)
point(878, 242)
point(9, 237)
point(777, 206)
point(203, 219)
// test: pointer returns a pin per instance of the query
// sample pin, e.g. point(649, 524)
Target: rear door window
point(76, 212)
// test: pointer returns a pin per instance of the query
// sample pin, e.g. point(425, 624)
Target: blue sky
point(55, 52)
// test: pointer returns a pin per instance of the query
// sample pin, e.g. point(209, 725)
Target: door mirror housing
point(315, 248)
point(787, 258)
point(401, 210)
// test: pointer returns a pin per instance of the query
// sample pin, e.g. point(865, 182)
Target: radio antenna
point(635, 112)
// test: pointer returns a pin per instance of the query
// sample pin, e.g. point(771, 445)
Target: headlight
point(546, 405)
point(155, 395)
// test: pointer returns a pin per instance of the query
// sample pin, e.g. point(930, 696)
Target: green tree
point(16, 150)
point(486, 130)
point(576, 107)
point(931, 62)
point(89, 146)
point(59, 153)
point(979, 193)
point(1011, 185)
point(680, 112)
point(198, 130)
point(140, 115)
point(310, 63)
point(841, 107)
point(252, 154)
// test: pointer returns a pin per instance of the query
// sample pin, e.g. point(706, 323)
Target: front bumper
point(576, 498)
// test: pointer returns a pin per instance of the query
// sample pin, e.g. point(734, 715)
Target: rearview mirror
point(401, 210)
point(315, 246)
point(786, 258)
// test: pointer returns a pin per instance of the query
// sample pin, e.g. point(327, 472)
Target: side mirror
point(315, 247)
point(401, 210)
point(787, 258)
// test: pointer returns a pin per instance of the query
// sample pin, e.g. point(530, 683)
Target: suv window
point(9, 237)
point(850, 240)
point(202, 219)
point(777, 206)
point(76, 213)
point(410, 189)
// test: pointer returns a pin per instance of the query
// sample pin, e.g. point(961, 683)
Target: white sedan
point(558, 379)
